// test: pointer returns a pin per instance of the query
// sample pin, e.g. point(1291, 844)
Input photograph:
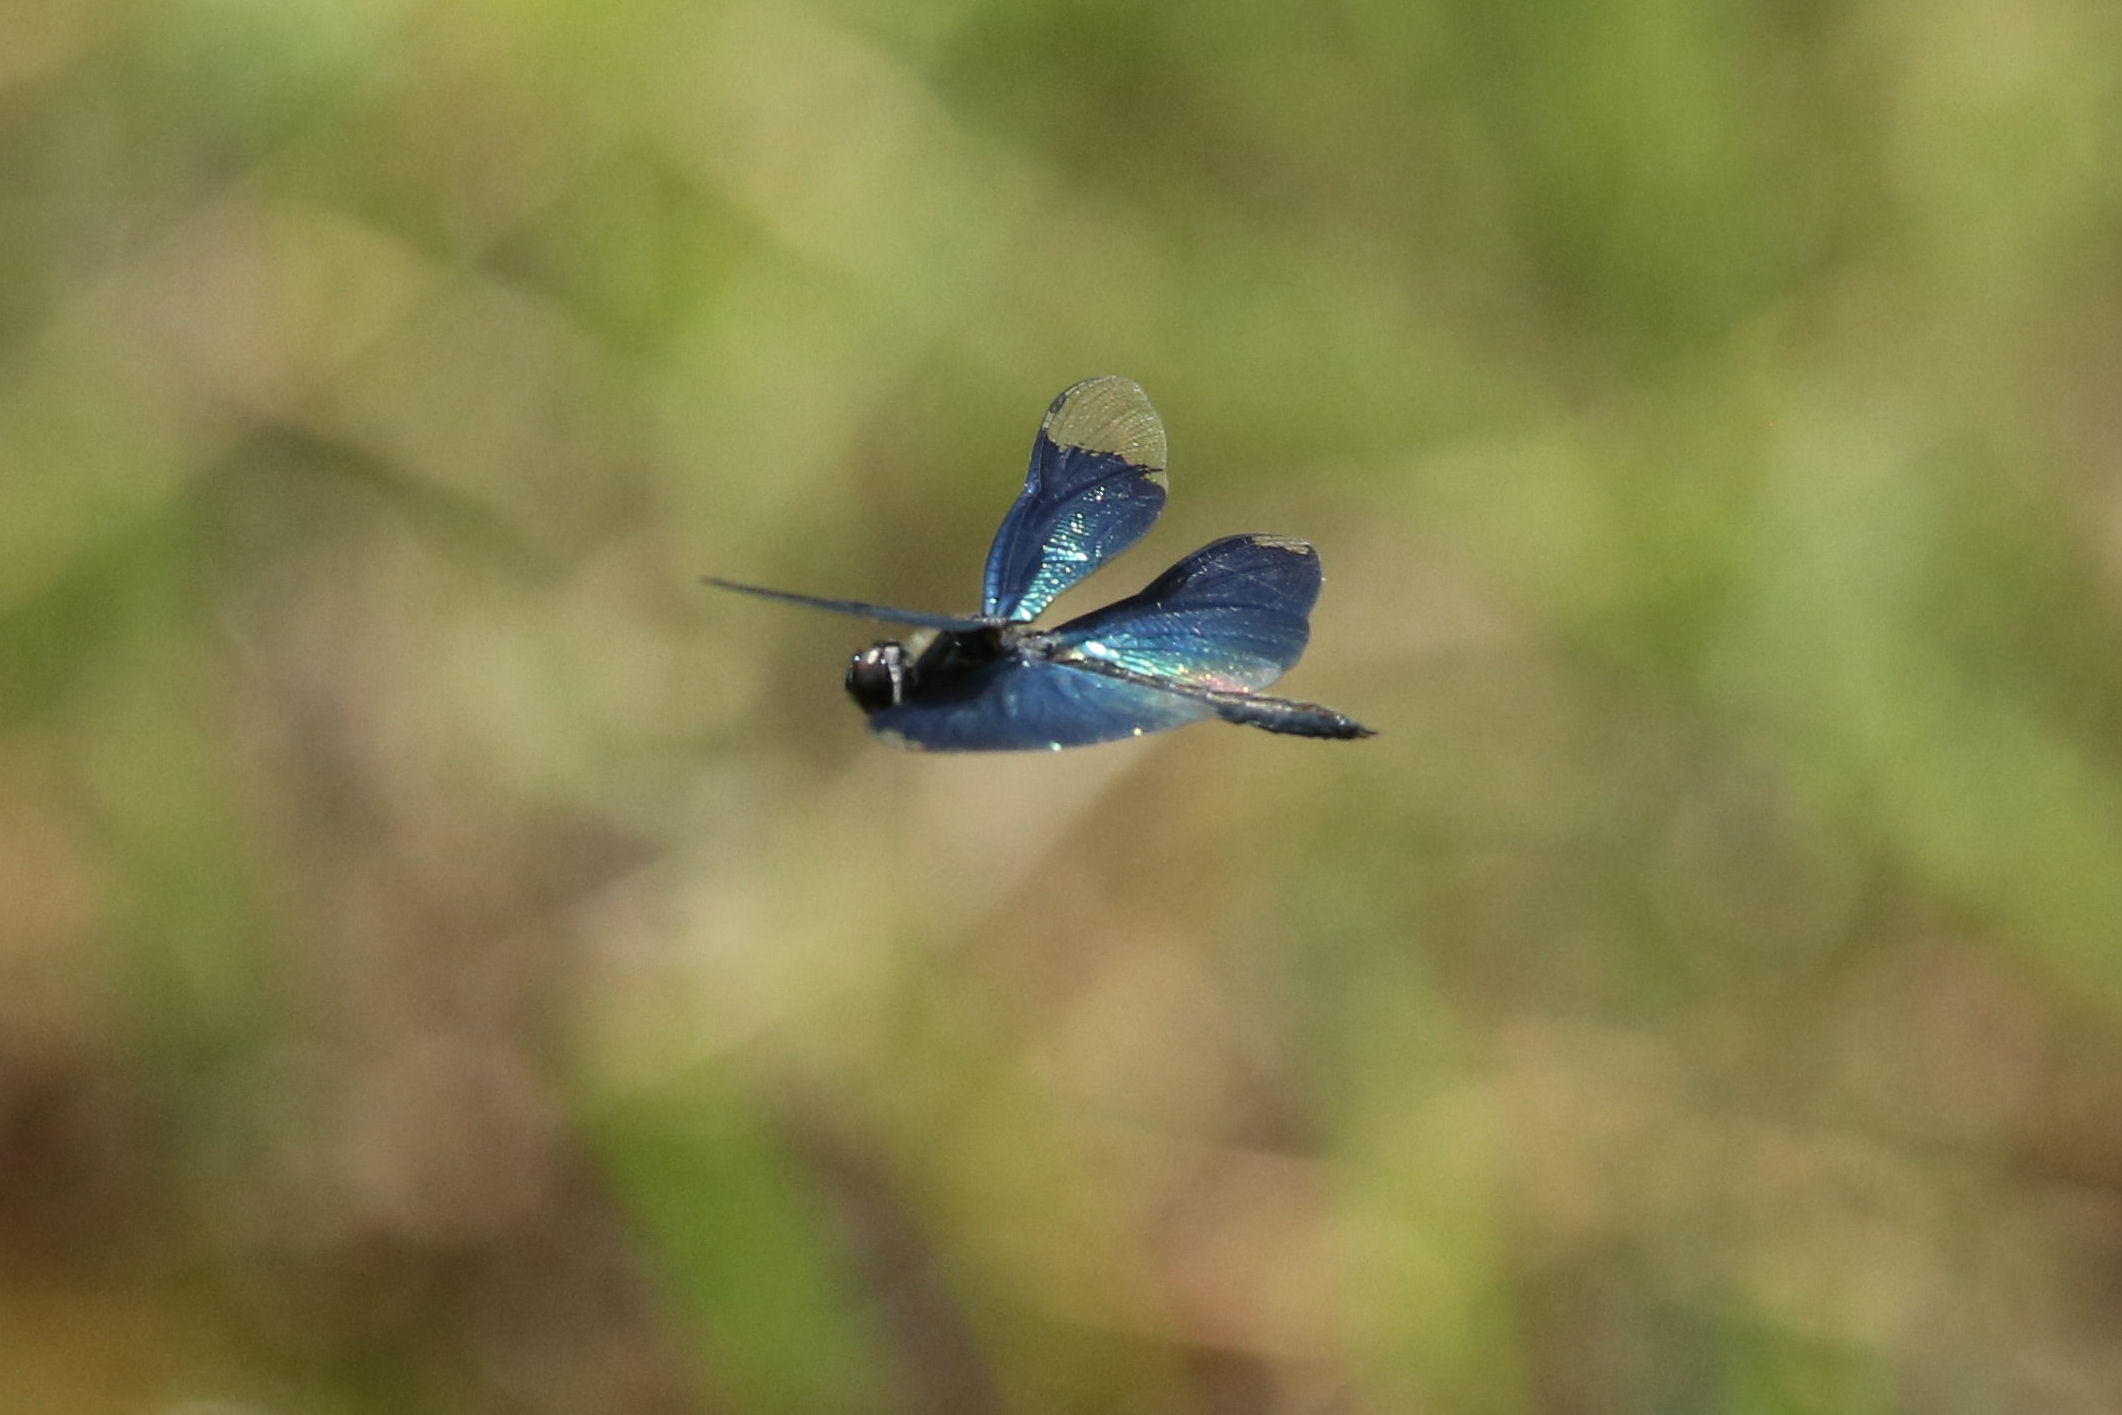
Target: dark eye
point(873, 677)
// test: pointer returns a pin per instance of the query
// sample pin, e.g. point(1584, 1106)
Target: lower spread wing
point(1233, 615)
point(1018, 704)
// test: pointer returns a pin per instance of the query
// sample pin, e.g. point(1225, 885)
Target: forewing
point(1017, 704)
point(854, 608)
point(1095, 485)
point(1234, 615)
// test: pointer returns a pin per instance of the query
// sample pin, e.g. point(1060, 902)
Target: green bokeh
point(452, 961)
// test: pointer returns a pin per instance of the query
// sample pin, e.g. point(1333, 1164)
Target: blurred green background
point(450, 961)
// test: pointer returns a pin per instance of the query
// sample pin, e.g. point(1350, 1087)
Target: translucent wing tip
point(1112, 415)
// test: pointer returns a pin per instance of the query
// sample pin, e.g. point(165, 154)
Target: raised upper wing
point(1095, 485)
point(1234, 615)
point(1019, 704)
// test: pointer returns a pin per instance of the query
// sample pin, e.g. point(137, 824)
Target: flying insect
point(1198, 642)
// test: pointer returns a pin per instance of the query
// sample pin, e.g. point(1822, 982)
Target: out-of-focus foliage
point(450, 961)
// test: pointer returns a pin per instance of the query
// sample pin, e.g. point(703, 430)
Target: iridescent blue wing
point(1020, 704)
point(1095, 485)
point(1234, 615)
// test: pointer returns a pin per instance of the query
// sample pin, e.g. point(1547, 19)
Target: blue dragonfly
point(1198, 642)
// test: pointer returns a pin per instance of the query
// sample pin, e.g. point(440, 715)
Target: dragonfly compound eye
point(876, 677)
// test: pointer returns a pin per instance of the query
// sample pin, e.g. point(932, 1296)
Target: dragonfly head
point(876, 677)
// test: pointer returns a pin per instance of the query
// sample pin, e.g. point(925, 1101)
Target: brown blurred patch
point(78, 1158)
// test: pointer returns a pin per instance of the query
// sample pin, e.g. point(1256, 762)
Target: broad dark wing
point(1017, 704)
point(1234, 615)
point(1095, 485)
point(882, 614)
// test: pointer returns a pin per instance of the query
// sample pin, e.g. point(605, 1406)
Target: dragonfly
point(1198, 643)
